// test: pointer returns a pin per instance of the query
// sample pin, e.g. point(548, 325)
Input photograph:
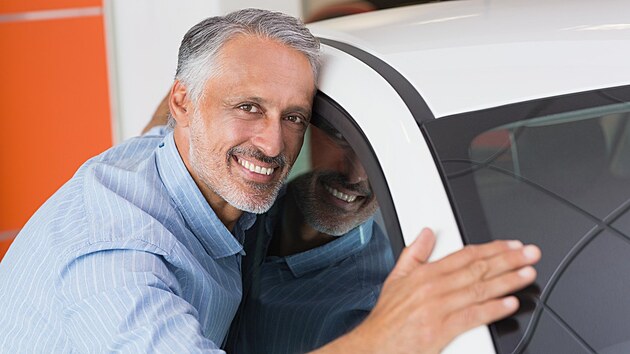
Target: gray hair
point(200, 46)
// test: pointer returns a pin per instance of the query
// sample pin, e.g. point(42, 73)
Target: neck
point(228, 214)
point(292, 234)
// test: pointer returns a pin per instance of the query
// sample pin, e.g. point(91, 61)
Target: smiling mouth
point(340, 195)
point(252, 167)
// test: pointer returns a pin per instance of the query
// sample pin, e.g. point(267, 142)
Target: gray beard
point(306, 200)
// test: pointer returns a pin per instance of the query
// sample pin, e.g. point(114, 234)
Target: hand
point(423, 306)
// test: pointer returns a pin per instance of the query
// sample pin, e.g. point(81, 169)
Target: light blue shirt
point(300, 302)
point(127, 256)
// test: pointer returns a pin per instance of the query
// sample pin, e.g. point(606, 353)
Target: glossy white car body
point(462, 56)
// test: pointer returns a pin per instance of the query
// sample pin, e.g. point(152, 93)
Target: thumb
point(414, 255)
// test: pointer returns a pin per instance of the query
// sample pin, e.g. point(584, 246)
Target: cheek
point(230, 134)
point(238, 130)
point(292, 145)
point(327, 158)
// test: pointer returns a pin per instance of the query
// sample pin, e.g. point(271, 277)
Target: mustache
point(332, 178)
point(280, 160)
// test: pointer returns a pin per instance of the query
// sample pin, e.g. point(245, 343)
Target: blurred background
point(78, 76)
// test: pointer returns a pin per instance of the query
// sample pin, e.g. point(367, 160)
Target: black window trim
point(407, 92)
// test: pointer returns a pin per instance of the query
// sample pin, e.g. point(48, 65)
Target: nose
point(268, 138)
point(355, 172)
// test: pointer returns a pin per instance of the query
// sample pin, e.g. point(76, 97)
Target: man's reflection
point(332, 199)
point(316, 265)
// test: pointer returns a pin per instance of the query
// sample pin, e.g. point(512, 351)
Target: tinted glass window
point(316, 261)
point(556, 173)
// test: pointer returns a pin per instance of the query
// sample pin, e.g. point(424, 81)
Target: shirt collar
point(334, 251)
point(201, 219)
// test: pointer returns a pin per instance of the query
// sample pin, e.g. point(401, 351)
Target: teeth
point(339, 195)
point(256, 169)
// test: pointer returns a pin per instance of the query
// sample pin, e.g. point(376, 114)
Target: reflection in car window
point(562, 181)
point(316, 261)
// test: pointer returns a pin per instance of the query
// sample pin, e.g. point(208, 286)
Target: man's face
point(336, 196)
point(249, 125)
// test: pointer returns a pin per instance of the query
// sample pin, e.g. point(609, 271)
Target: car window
point(315, 263)
point(556, 173)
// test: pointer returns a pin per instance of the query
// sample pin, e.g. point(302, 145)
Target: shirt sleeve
point(127, 300)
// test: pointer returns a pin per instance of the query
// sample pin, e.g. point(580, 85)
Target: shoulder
point(123, 196)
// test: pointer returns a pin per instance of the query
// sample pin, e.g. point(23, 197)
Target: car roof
point(474, 54)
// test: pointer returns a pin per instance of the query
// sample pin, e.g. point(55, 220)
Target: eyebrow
point(233, 100)
point(259, 100)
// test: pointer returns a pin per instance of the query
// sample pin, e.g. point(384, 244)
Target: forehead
point(249, 62)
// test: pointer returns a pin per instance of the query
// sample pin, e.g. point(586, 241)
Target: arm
point(126, 300)
point(423, 306)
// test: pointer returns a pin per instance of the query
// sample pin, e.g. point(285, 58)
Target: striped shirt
point(127, 256)
point(300, 302)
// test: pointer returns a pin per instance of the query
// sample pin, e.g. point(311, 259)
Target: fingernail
point(510, 302)
point(531, 252)
point(526, 272)
point(514, 244)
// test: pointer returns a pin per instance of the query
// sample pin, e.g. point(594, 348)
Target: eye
point(337, 137)
point(296, 119)
point(339, 140)
point(249, 108)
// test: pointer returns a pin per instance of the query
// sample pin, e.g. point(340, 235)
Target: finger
point(414, 255)
point(472, 253)
point(478, 315)
point(488, 290)
point(510, 260)
point(480, 270)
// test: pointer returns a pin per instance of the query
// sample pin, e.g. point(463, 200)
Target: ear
point(179, 104)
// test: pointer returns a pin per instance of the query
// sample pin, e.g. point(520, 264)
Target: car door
point(296, 299)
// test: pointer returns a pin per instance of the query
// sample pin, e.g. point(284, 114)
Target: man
point(319, 259)
point(140, 251)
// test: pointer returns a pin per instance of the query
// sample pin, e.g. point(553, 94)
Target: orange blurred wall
point(54, 100)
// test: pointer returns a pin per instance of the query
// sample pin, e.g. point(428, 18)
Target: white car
point(500, 119)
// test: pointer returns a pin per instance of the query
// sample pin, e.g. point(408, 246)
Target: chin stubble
point(315, 214)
